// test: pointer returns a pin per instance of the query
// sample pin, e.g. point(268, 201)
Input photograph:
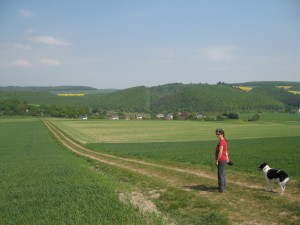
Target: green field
point(247, 154)
point(193, 142)
point(107, 131)
point(272, 117)
point(42, 183)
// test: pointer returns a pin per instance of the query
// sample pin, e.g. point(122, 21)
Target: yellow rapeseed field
point(244, 88)
point(80, 94)
point(284, 87)
point(295, 92)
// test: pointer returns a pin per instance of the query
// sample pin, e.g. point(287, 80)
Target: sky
point(128, 43)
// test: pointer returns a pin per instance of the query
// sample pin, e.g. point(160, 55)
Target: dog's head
point(262, 166)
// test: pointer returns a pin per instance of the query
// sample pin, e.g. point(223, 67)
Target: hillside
point(286, 92)
point(209, 98)
point(291, 85)
point(263, 96)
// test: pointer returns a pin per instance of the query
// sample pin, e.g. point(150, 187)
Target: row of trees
point(12, 107)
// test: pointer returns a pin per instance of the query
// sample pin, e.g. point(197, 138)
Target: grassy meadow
point(43, 183)
point(246, 154)
point(191, 145)
point(134, 131)
point(274, 140)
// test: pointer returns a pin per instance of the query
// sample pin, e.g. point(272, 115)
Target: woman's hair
point(220, 131)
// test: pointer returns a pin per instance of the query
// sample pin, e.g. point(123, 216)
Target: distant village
point(159, 116)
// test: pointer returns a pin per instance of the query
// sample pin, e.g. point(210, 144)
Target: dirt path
point(242, 205)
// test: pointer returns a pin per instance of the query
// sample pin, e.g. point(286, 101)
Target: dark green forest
point(168, 98)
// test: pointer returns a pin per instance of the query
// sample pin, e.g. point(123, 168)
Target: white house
point(160, 116)
point(83, 117)
point(199, 116)
point(139, 117)
point(114, 117)
point(170, 116)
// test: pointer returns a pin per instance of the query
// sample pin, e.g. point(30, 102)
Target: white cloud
point(50, 62)
point(50, 40)
point(22, 47)
point(218, 54)
point(26, 13)
point(22, 63)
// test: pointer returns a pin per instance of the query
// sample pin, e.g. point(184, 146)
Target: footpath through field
point(246, 203)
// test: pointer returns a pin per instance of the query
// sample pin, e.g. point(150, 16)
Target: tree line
point(13, 107)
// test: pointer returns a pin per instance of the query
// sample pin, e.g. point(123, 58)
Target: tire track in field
point(126, 163)
point(164, 173)
point(72, 145)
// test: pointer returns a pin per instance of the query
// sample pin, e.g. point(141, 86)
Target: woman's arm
point(220, 153)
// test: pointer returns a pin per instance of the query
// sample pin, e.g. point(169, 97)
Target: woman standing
point(221, 159)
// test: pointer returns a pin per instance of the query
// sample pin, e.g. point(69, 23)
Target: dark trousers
point(222, 175)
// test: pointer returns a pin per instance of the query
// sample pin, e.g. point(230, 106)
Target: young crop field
point(193, 143)
point(42, 183)
point(145, 172)
point(247, 154)
point(274, 117)
point(188, 147)
point(133, 131)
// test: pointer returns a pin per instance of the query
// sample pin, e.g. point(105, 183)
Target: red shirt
point(224, 152)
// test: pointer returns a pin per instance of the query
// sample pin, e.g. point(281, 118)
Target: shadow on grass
point(202, 188)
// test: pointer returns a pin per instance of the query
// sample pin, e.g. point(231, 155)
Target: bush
point(255, 117)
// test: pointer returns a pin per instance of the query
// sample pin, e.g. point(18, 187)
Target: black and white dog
point(274, 175)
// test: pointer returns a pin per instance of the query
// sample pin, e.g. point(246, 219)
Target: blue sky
point(123, 44)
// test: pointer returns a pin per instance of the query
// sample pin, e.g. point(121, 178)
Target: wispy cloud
point(50, 62)
point(218, 54)
point(22, 63)
point(50, 40)
point(22, 47)
point(26, 13)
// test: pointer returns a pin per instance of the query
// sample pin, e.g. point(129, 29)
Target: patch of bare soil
point(139, 201)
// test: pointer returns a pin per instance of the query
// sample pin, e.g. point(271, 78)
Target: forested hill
point(168, 98)
point(209, 98)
